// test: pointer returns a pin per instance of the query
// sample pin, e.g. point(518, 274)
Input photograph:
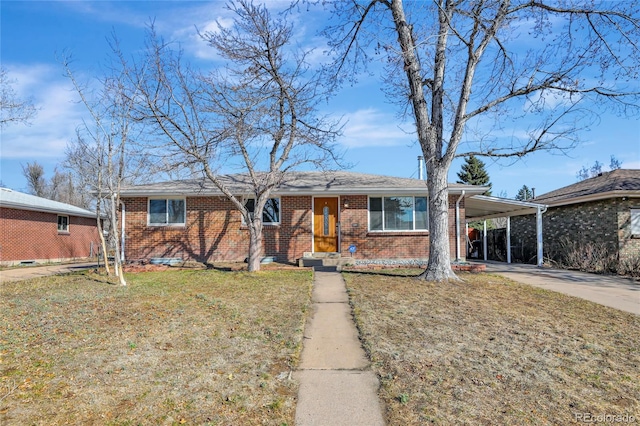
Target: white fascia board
point(63, 212)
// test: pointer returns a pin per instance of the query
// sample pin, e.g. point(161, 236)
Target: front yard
point(174, 347)
point(491, 351)
point(216, 348)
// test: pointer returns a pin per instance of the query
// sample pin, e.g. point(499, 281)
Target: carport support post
point(484, 239)
point(508, 239)
point(539, 234)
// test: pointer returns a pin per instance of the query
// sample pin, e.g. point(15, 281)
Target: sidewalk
point(336, 385)
point(28, 272)
point(609, 290)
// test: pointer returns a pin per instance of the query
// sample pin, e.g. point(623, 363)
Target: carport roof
point(479, 207)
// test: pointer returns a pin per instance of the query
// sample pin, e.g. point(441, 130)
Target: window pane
point(63, 223)
point(398, 213)
point(176, 211)
point(271, 212)
point(422, 219)
point(157, 211)
point(635, 221)
point(375, 214)
point(250, 205)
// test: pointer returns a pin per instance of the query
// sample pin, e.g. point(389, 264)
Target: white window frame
point(263, 222)
point(66, 229)
point(634, 221)
point(382, 197)
point(166, 199)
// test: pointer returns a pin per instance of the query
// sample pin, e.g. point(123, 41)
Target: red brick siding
point(31, 235)
point(388, 245)
point(214, 232)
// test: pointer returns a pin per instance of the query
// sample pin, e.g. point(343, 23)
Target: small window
point(271, 212)
point(398, 214)
point(167, 211)
point(635, 221)
point(63, 223)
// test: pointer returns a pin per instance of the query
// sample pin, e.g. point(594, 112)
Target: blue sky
point(34, 33)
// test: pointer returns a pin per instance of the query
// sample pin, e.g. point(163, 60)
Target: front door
point(325, 235)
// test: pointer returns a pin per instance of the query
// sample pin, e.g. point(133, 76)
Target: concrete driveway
point(28, 272)
point(609, 290)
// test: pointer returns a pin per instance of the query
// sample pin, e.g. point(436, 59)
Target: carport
point(483, 207)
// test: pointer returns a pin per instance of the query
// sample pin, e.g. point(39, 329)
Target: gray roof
point(18, 200)
point(621, 182)
point(298, 183)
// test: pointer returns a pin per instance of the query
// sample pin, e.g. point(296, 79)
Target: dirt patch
point(491, 351)
point(173, 347)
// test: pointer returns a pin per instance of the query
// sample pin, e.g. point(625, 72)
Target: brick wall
point(214, 232)
point(29, 235)
point(604, 221)
point(389, 245)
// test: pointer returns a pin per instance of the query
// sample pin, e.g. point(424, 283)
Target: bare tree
point(36, 181)
point(258, 114)
point(469, 64)
point(103, 155)
point(13, 109)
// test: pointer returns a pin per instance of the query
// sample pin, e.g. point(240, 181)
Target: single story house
point(603, 210)
point(34, 230)
point(352, 214)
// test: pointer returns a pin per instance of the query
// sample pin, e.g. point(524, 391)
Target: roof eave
point(594, 197)
point(20, 206)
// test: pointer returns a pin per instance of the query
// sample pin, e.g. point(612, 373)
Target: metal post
point(484, 239)
point(539, 234)
point(508, 239)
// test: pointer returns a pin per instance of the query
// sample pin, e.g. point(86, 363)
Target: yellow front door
point(325, 235)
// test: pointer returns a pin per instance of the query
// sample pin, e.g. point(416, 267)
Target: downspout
point(122, 225)
point(458, 226)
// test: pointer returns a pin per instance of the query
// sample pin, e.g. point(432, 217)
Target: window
point(63, 223)
point(271, 212)
point(635, 221)
point(398, 214)
point(167, 211)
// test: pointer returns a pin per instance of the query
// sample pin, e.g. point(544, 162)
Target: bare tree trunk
point(103, 243)
point(255, 246)
point(117, 264)
point(439, 266)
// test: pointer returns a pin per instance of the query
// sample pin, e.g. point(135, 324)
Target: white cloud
point(58, 115)
point(371, 127)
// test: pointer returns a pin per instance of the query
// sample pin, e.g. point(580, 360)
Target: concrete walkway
point(609, 290)
point(28, 272)
point(336, 385)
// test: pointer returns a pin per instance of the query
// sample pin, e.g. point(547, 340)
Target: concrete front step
point(323, 259)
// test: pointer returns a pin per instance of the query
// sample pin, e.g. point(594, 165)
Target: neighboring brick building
point(381, 217)
point(604, 210)
point(34, 229)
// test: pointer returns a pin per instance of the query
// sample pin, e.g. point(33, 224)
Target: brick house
point(34, 229)
point(357, 215)
point(604, 210)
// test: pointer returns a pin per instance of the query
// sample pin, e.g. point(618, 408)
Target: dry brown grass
point(491, 351)
point(174, 347)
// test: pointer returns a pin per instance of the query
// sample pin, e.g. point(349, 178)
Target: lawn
point(491, 351)
point(174, 347)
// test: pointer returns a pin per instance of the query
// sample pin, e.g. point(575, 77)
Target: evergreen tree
point(473, 173)
point(524, 193)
